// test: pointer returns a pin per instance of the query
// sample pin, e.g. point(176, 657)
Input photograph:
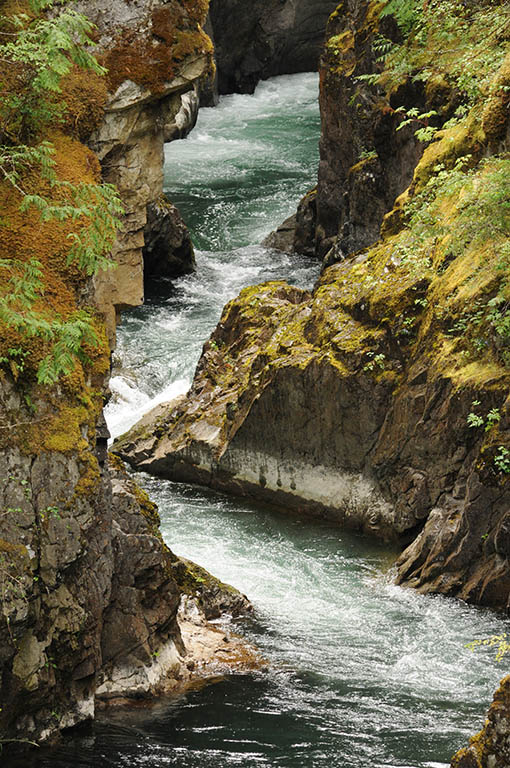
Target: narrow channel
point(361, 673)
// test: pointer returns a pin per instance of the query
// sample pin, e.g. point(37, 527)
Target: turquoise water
point(361, 672)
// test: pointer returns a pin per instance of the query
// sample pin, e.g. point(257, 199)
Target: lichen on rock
point(90, 611)
point(490, 748)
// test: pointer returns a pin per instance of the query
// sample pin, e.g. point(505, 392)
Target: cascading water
point(361, 673)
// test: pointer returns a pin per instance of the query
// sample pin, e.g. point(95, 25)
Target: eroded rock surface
point(266, 38)
point(96, 609)
point(366, 160)
point(168, 250)
point(354, 402)
point(157, 54)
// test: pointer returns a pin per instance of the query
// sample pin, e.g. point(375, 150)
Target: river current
point(361, 673)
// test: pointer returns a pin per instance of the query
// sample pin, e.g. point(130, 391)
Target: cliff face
point(156, 54)
point(364, 163)
point(367, 157)
point(490, 748)
point(379, 400)
point(93, 606)
point(265, 38)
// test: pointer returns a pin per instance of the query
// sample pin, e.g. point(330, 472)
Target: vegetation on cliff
point(57, 224)
point(51, 183)
point(400, 358)
point(152, 60)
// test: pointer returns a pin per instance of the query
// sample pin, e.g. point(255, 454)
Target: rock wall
point(491, 747)
point(94, 608)
point(366, 159)
point(370, 400)
point(156, 54)
point(266, 38)
point(364, 164)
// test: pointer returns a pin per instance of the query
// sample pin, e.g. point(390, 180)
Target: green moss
point(339, 10)
point(361, 165)
point(466, 138)
point(192, 578)
point(495, 118)
point(90, 476)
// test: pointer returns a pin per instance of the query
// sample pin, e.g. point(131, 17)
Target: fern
point(406, 13)
point(41, 51)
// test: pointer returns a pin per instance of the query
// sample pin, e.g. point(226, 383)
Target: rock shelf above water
point(320, 404)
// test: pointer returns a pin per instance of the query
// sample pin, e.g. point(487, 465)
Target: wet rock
point(320, 404)
point(282, 239)
point(491, 747)
point(168, 250)
point(92, 599)
point(297, 233)
point(146, 106)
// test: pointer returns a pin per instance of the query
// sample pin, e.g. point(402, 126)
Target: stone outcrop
point(297, 233)
point(168, 250)
point(366, 161)
point(95, 608)
point(316, 404)
point(265, 38)
point(491, 747)
point(156, 54)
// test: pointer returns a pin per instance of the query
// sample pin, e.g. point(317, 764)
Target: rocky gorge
point(95, 607)
point(375, 400)
point(378, 400)
point(341, 383)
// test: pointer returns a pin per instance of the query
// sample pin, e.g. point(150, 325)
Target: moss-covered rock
point(354, 401)
point(490, 748)
point(88, 599)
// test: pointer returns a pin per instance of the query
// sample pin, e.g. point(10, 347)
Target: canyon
point(363, 401)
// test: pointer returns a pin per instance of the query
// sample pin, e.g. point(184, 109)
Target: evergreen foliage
point(36, 52)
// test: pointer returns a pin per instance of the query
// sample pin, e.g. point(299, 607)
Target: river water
point(361, 673)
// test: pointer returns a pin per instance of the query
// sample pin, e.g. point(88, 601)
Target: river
point(361, 673)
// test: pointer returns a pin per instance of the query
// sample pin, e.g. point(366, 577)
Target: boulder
point(168, 250)
point(491, 747)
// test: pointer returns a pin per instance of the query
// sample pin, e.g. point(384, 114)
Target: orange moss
point(84, 95)
point(197, 10)
point(14, 549)
point(151, 61)
point(24, 236)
